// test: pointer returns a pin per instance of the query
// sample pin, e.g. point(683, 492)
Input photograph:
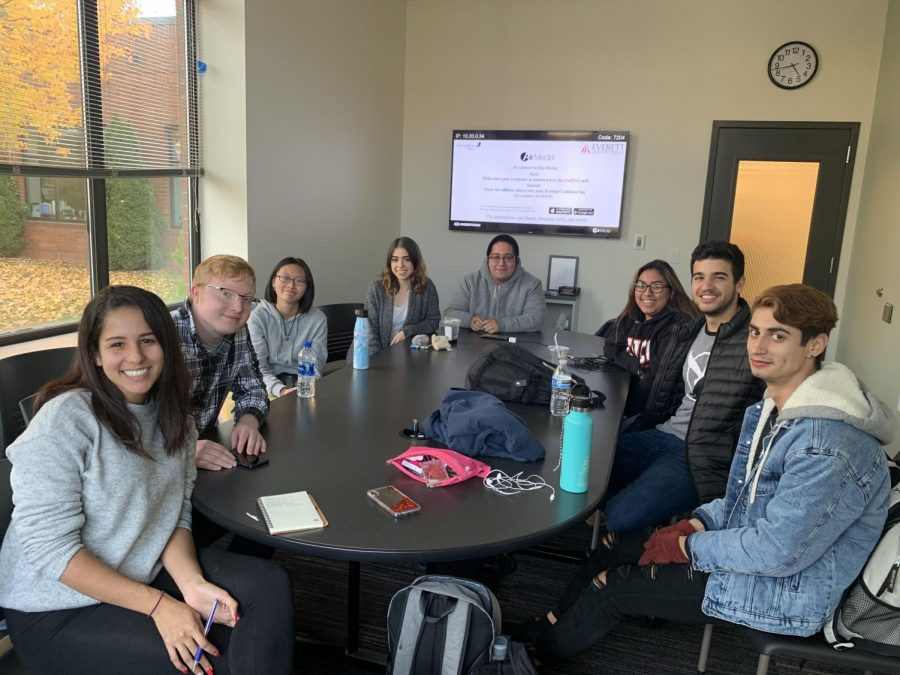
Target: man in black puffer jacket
point(679, 454)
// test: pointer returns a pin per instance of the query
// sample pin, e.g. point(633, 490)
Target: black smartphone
point(249, 461)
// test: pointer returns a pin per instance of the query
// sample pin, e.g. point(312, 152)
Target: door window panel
point(773, 202)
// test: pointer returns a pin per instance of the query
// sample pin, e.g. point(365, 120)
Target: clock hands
point(786, 66)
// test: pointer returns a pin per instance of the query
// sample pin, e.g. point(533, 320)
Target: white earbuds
point(504, 484)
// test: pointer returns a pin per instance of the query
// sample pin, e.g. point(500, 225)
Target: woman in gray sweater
point(98, 570)
point(282, 322)
point(404, 302)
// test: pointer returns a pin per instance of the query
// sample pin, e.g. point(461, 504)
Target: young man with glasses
point(501, 296)
point(677, 453)
point(212, 325)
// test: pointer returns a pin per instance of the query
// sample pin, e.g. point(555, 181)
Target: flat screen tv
point(538, 182)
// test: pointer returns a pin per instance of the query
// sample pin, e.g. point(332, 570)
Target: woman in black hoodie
point(657, 303)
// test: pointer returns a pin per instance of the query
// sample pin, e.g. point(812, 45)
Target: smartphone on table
point(249, 461)
point(393, 501)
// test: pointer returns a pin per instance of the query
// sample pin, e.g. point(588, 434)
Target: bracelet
point(156, 606)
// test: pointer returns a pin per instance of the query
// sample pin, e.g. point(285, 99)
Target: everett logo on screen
point(540, 156)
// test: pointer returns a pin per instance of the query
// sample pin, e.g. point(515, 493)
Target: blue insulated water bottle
point(576, 445)
point(361, 340)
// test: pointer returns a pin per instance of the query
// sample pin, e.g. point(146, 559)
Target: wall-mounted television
point(538, 182)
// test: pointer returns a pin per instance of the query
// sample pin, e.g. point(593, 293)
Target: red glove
point(683, 527)
point(663, 548)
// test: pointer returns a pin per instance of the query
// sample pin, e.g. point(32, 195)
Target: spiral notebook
point(291, 512)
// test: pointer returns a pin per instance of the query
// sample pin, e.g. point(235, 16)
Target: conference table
point(335, 446)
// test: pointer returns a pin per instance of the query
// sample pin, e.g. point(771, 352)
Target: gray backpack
point(869, 614)
point(440, 625)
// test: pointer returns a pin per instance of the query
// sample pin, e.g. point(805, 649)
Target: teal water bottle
point(576, 445)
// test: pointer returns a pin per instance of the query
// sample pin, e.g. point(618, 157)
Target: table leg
point(365, 657)
point(352, 608)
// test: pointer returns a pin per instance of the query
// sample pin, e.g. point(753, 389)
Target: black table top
point(336, 444)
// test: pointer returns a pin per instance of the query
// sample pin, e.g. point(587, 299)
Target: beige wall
point(324, 137)
point(662, 70)
point(223, 118)
point(868, 345)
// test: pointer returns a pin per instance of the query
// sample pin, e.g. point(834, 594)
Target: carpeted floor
point(320, 595)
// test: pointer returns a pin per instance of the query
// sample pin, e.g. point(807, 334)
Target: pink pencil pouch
point(437, 467)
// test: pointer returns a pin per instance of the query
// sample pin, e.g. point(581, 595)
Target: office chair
point(21, 376)
point(341, 319)
point(813, 648)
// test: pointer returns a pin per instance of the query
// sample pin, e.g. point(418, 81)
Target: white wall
point(868, 345)
point(662, 70)
point(223, 191)
point(324, 137)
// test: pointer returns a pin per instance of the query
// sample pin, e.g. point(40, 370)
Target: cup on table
point(450, 328)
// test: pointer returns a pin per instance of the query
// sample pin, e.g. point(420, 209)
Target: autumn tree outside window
point(99, 134)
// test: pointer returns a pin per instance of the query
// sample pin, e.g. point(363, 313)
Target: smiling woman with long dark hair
point(98, 569)
point(637, 338)
point(404, 302)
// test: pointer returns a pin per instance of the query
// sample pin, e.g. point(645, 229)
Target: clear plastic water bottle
point(361, 340)
point(578, 428)
point(561, 323)
point(560, 384)
point(500, 648)
point(306, 372)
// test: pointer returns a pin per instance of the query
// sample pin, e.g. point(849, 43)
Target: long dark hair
point(306, 302)
point(678, 298)
point(172, 390)
point(389, 282)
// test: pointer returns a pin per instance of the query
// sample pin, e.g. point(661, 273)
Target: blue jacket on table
point(804, 507)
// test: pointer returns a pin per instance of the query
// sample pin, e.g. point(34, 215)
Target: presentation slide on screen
point(571, 183)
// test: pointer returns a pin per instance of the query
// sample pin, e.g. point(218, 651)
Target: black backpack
point(513, 374)
point(440, 624)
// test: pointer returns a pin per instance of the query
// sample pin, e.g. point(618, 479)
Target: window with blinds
point(99, 154)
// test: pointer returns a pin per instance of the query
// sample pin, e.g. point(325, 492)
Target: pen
point(206, 628)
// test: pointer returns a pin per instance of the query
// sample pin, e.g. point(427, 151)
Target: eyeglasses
point(496, 259)
point(656, 286)
point(290, 281)
point(229, 296)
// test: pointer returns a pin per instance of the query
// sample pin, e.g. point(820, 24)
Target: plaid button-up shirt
point(231, 367)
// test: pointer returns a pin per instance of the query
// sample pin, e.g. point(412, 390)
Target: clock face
point(792, 65)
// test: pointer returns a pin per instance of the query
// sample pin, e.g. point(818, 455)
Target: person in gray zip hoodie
point(501, 296)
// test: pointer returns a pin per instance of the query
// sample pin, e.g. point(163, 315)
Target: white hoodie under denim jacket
point(803, 509)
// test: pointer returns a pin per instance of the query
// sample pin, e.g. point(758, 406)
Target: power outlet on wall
point(640, 240)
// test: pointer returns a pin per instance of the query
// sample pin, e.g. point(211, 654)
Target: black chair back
point(26, 407)
point(341, 318)
point(21, 376)
point(6, 503)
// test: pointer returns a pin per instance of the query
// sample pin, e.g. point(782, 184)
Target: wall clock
point(793, 65)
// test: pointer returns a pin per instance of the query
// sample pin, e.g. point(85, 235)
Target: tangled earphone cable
point(504, 484)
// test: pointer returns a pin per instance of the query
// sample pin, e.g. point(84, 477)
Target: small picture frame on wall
point(562, 271)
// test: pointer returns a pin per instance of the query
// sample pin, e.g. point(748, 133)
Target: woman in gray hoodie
point(501, 296)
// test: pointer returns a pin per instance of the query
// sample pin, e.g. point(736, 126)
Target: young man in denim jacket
point(805, 504)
